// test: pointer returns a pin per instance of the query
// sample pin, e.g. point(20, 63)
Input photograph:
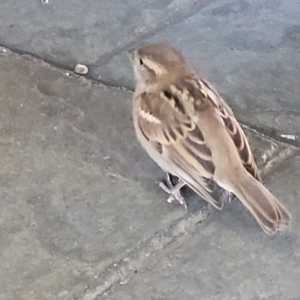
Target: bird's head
point(155, 63)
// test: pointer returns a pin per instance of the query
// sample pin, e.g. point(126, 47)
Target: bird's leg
point(226, 195)
point(173, 190)
point(231, 197)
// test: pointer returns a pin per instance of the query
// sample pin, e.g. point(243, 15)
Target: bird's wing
point(165, 121)
point(231, 124)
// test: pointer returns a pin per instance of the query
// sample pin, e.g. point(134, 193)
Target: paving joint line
point(269, 133)
point(275, 136)
point(165, 241)
point(176, 16)
point(270, 166)
point(144, 256)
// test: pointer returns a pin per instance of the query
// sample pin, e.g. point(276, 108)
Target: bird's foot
point(231, 197)
point(173, 190)
point(227, 196)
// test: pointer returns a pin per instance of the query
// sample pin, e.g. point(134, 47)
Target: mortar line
point(175, 17)
point(144, 256)
point(275, 135)
point(164, 242)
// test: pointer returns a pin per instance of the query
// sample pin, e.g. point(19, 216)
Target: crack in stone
point(161, 243)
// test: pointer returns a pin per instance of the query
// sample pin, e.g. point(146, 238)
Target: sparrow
point(191, 132)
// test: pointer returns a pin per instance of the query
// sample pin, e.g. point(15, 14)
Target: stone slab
point(90, 32)
point(248, 49)
point(229, 257)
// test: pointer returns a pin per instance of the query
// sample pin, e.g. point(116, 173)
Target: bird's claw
point(173, 190)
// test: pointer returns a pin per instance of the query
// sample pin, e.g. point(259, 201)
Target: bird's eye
point(141, 62)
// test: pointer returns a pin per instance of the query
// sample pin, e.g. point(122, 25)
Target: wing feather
point(231, 124)
point(182, 144)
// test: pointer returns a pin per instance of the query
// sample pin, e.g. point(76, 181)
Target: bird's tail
point(266, 209)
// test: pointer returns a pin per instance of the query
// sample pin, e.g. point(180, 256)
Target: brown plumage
point(191, 132)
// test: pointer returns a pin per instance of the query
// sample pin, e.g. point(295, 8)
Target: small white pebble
point(55, 128)
point(67, 73)
point(288, 136)
point(264, 157)
point(124, 280)
point(45, 1)
point(81, 69)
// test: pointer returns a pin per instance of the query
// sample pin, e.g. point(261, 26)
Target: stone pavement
point(81, 216)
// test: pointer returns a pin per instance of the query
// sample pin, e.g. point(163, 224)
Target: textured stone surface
point(249, 50)
point(67, 32)
point(228, 257)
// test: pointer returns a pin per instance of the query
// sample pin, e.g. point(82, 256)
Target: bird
point(189, 130)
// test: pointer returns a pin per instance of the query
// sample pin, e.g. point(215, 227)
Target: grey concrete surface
point(249, 50)
point(211, 266)
point(81, 215)
point(67, 32)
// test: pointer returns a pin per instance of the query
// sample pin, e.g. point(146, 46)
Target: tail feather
point(267, 210)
